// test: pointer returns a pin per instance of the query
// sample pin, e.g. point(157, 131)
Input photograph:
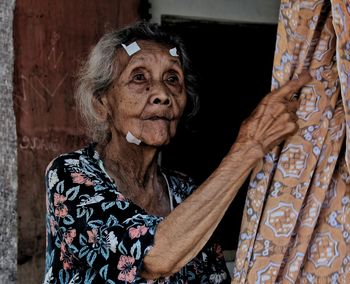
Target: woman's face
point(148, 97)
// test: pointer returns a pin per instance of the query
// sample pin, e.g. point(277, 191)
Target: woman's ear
point(101, 107)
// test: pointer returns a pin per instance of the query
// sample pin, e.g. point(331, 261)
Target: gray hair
point(100, 70)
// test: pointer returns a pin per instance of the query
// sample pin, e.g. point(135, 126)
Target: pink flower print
point(128, 271)
point(65, 258)
point(135, 233)
point(81, 179)
point(61, 210)
point(93, 238)
point(120, 197)
point(69, 236)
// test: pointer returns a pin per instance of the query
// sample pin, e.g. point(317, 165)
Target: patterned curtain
point(296, 223)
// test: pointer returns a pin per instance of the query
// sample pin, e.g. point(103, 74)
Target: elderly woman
point(114, 215)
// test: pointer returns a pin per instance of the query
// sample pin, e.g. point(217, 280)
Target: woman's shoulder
point(74, 158)
point(82, 166)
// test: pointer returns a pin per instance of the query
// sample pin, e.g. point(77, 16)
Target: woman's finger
point(293, 106)
point(288, 90)
point(280, 135)
point(293, 116)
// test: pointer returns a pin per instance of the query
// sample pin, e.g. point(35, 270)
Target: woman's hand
point(274, 119)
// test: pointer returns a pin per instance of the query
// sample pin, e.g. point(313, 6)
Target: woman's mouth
point(159, 118)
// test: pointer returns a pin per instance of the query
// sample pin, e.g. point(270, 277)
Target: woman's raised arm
point(181, 236)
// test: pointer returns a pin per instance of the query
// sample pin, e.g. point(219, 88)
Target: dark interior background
point(233, 63)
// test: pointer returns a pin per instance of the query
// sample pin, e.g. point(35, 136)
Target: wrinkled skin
point(148, 99)
point(275, 117)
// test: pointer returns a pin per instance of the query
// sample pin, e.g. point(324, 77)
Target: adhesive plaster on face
point(132, 139)
point(173, 52)
point(131, 48)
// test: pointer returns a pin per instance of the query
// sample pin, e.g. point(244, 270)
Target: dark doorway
point(233, 62)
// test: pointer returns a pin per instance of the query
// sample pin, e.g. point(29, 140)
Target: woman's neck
point(135, 171)
point(137, 162)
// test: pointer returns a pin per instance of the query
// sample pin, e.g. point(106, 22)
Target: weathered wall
point(8, 149)
point(50, 39)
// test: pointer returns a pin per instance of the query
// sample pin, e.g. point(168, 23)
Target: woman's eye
point(173, 79)
point(139, 77)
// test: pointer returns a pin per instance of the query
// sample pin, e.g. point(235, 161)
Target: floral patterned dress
point(96, 235)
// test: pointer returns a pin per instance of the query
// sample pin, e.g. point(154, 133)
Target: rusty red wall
point(50, 40)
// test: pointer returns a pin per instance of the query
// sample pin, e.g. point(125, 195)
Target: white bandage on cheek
point(131, 48)
point(173, 52)
point(132, 139)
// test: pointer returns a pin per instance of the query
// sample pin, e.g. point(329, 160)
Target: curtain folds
point(296, 221)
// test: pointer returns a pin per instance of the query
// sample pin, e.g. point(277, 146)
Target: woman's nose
point(161, 96)
point(161, 100)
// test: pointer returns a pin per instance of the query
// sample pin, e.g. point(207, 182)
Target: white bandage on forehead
point(132, 139)
point(173, 52)
point(131, 48)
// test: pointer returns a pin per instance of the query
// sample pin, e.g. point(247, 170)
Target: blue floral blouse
point(96, 235)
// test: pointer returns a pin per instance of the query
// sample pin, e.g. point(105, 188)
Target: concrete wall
point(8, 150)
point(255, 11)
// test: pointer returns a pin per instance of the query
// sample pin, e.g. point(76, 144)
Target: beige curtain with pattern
point(296, 223)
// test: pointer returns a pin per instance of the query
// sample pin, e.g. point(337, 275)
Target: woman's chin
point(157, 141)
